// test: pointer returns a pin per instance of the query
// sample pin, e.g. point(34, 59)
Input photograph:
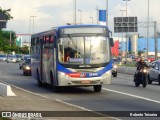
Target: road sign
point(125, 24)
point(2, 25)
point(3, 20)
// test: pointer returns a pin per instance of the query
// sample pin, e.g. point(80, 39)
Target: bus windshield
point(84, 50)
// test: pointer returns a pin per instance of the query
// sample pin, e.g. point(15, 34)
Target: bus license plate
point(85, 82)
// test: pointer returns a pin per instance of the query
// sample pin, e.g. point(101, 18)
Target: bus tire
point(97, 88)
point(54, 88)
point(40, 84)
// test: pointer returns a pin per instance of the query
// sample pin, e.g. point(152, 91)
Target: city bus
point(72, 55)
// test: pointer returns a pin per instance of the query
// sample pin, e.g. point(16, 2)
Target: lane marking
point(69, 104)
point(131, 95)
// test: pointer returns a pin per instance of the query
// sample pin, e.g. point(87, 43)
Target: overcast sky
point(50, 13)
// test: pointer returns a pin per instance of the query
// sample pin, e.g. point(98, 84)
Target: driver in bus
point(67, 56)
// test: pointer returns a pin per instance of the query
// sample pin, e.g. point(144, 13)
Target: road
point(121, 96)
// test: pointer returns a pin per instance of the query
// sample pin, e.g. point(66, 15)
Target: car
point(3, 57)
point(151, 58)
point(154, 72)
point(11, 58)
point(19, 56)
point(27, 67)
point(23, 60)
point(114, 67)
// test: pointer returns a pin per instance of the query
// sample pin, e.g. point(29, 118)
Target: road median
point(5, 90)
point(126, 70)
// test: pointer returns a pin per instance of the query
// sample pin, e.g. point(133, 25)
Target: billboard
point(125, 24)
point(3, 20)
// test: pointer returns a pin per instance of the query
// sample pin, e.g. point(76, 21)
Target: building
point(135, 44)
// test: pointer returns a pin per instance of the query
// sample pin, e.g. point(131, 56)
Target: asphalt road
point(121, 96)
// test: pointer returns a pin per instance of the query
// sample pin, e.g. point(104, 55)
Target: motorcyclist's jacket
point(141, 65)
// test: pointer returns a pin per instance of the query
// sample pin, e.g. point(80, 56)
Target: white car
point(3, 57)
point(12, 59)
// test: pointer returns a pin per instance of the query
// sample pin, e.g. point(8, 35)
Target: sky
point(52, 13)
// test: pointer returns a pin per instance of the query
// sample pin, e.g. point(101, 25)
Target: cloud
point(59, 12)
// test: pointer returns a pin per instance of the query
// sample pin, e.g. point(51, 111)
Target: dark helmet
point(142, 59)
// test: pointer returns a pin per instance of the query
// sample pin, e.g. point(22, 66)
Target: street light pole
point(148, 31)
point(126, 32)
point(106, 12)
point(92, 19)
point(126, 6)
point(122, 30)
point(33, 23)
point(80, 17)
point(74, 11)
point(97, 15)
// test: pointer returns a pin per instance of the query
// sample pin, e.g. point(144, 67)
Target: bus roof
point(54, 29)
point(82, 25)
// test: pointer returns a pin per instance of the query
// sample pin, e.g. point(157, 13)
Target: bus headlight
point(62, 74)
point(115, 66)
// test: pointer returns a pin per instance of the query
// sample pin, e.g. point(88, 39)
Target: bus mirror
point(111, 42)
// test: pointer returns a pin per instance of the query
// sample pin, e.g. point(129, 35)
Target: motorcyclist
point(140, 64)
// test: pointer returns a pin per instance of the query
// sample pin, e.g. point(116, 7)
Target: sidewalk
point(25, 101)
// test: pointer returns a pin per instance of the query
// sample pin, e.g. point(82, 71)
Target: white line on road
point(148, 99)
point(69, 104)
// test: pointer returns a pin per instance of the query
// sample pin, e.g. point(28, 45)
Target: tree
point(5, 41)
point(140, 52)
point(5, 36)
point(6, 12)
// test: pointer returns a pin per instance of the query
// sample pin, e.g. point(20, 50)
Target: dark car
point(23, 60)
point(27, 67)
point(154, 72)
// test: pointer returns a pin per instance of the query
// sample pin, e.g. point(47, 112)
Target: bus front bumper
point(70, 81)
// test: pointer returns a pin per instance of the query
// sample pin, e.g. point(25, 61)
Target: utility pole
point(148, 31)
point(91, 19)
point(126, 32)
point(33, 23)
point(80, 16)
point(74, 12)
point(122, 31)
point(107, 13)
point(97, 15)
point(156, 39)
point(10, 38)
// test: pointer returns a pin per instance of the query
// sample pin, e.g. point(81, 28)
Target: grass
point(131, 64)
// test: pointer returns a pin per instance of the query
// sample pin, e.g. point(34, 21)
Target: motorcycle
point(141, 77)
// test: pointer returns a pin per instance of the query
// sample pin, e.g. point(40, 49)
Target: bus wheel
point(54, 88)
point(40, 84)
point(97, 88)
